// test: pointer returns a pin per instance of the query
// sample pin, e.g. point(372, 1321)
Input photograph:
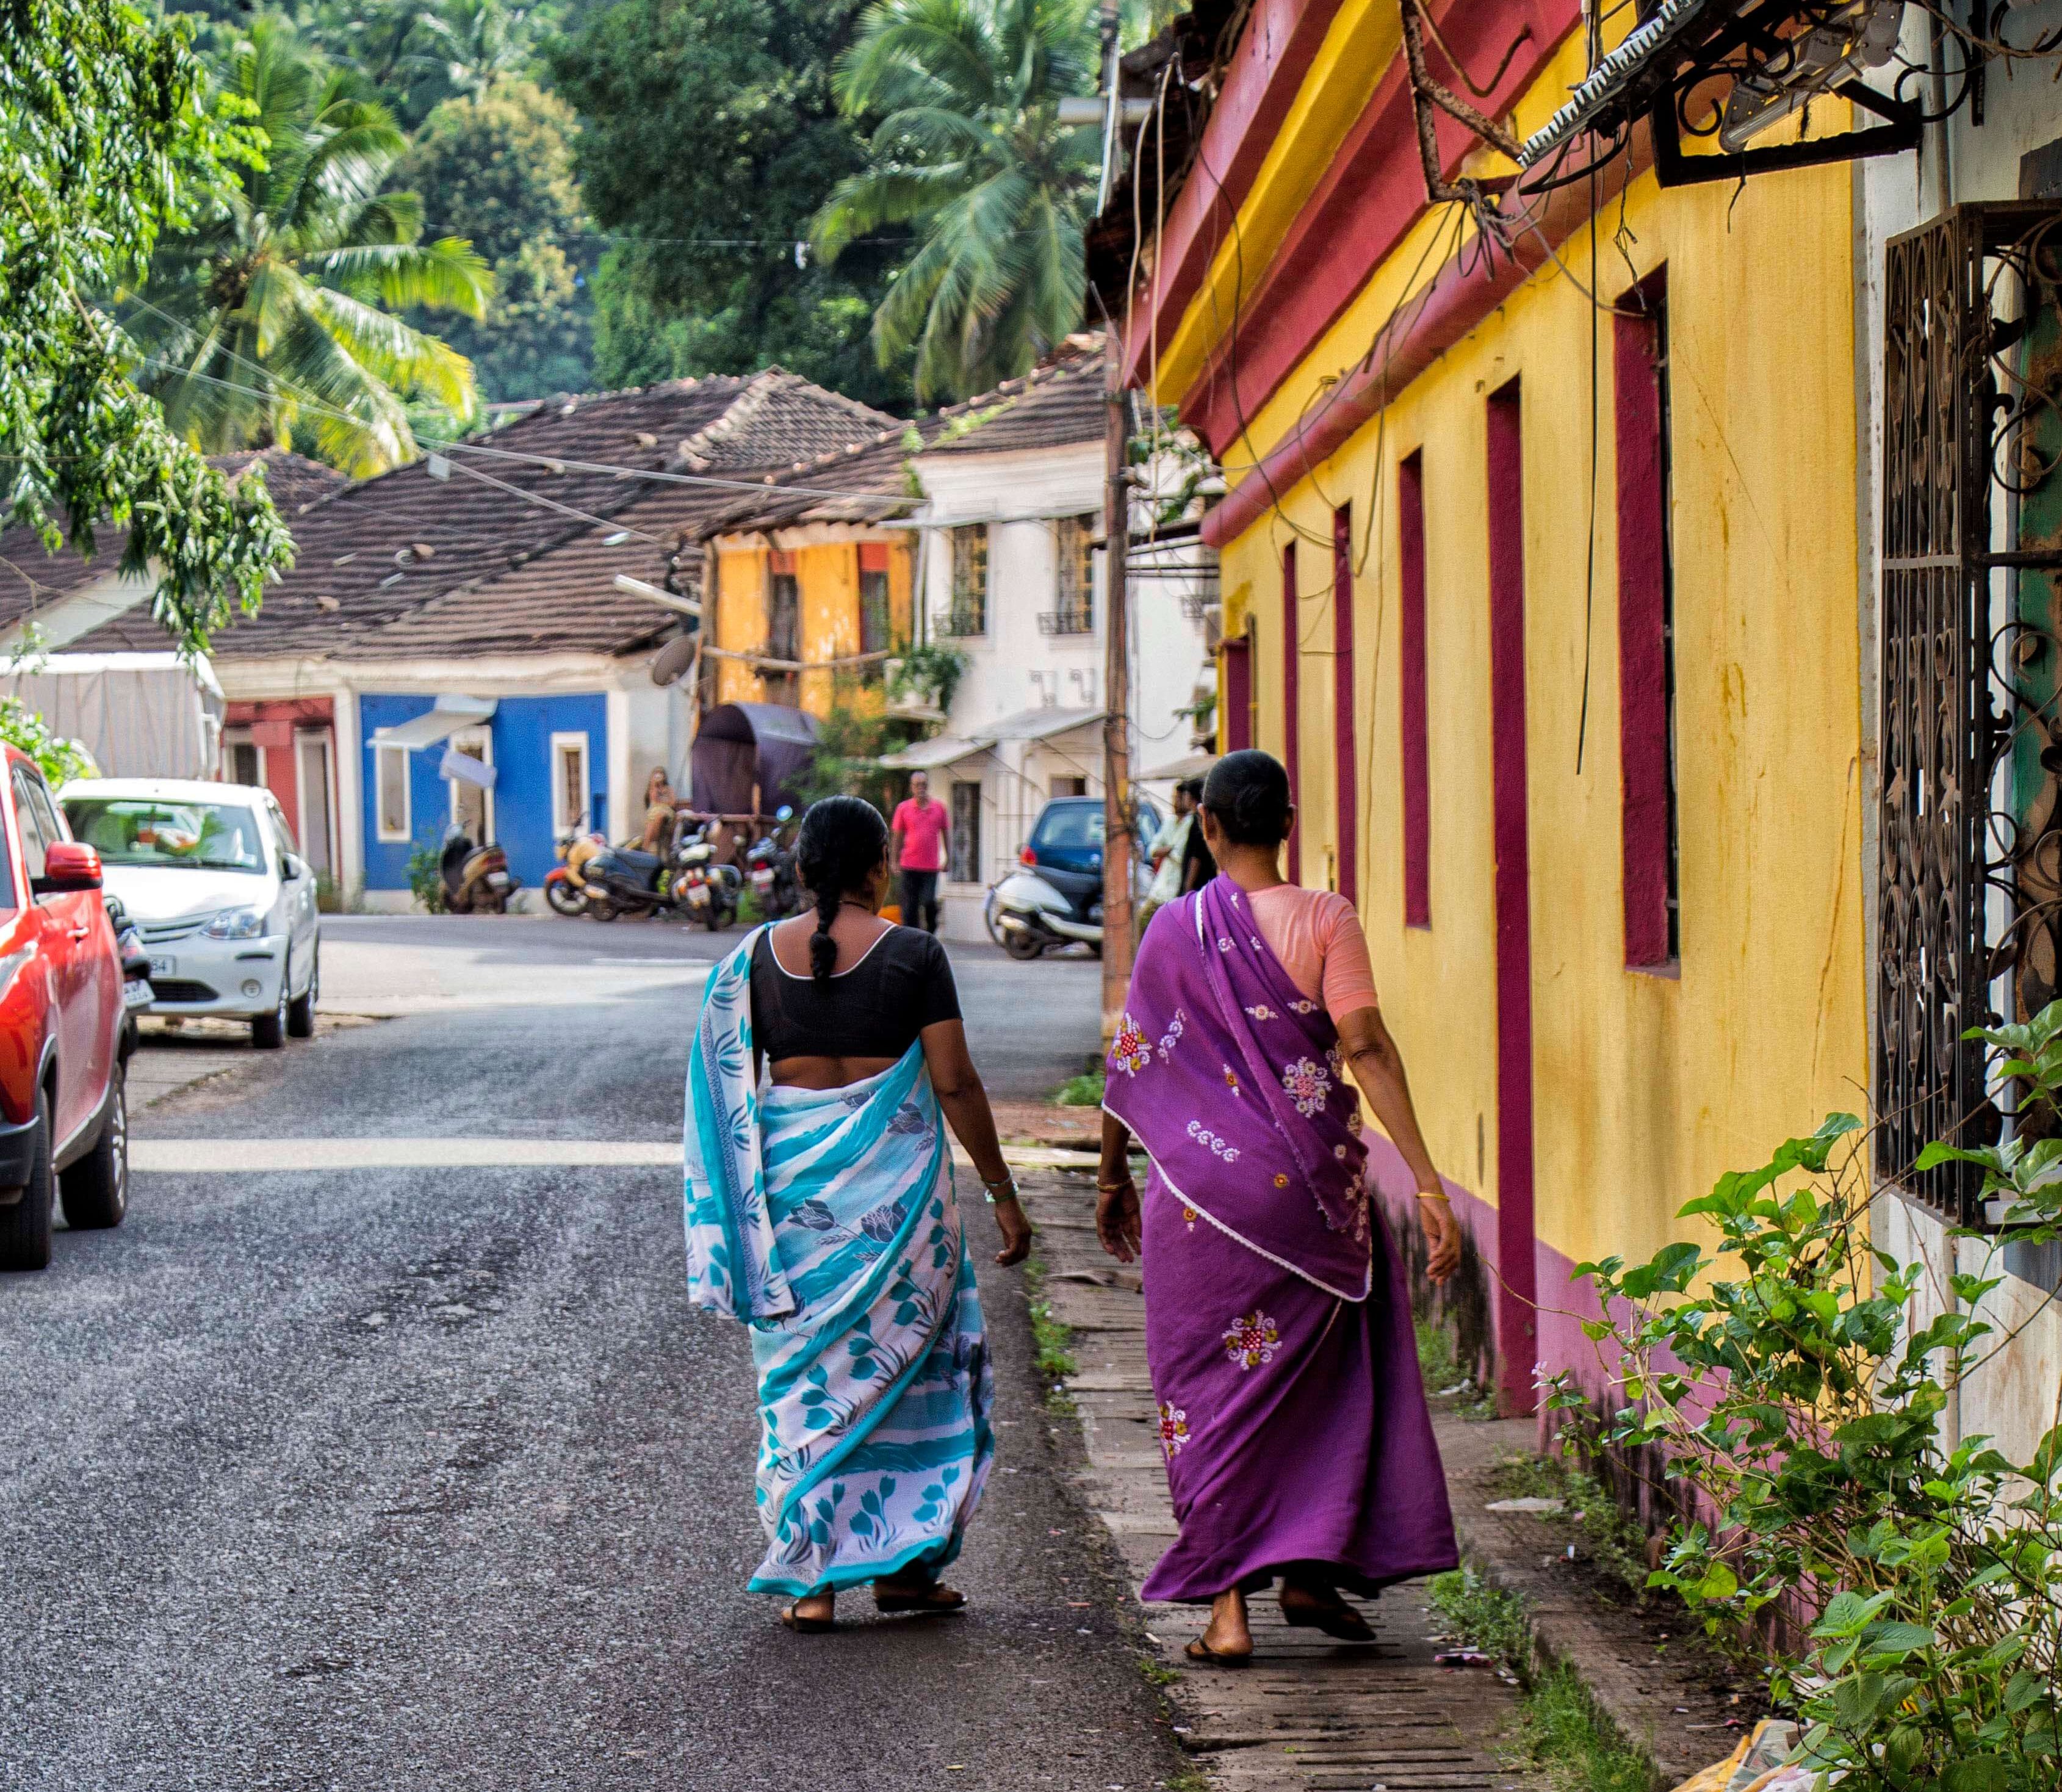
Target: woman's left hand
point(1016, 1232)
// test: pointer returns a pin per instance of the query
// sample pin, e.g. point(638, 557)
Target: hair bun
point(1248, 793)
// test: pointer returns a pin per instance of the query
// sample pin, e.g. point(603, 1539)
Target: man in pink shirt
point(919, 829)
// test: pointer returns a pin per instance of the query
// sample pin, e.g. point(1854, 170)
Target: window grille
point(968, 613)
point(1969, 895)
point(1075, 614)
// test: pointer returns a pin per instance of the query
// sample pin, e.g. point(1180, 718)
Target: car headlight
point(235, 924)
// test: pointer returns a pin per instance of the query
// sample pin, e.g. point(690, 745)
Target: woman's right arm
point(1116, 1195)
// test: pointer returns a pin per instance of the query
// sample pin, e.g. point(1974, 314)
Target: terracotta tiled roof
point(1059, 403)
point(32, 579)
point(511, 544)
point(863, 482)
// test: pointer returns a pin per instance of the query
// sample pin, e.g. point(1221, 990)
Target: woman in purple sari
point(1278, 1323)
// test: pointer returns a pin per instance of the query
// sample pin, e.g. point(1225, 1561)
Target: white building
point(1013, 572)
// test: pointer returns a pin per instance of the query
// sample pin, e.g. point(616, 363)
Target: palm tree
point(969, 150)
point(275, 320)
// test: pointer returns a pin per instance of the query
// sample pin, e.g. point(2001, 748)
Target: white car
point(226, 905)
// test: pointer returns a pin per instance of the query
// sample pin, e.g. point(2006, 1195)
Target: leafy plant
point(108, 138)
point(1790, 1381)
point(845, 762)
point(59, 759)
point(1084, 1090)
point(1484, 1617)
point(929, 674)
point(969, 152)
point(426, 876)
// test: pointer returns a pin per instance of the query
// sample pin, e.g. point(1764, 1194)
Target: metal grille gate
point(1972, 737)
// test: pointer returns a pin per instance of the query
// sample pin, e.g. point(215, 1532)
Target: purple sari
point(1278, 1323)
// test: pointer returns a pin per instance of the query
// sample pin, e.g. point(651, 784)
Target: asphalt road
point(382, 1478)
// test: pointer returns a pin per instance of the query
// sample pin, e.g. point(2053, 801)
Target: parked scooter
point(565, 885)
point(1033, 916)
point(704, 890)
point(769, 867)
point(476, 879)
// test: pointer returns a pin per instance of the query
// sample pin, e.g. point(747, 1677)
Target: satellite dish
point(672, 662)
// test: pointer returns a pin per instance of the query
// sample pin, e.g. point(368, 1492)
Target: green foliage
point(1053, 1343)
point(1559, 1730)
point(968, 150)
point(711, 136)
point(273, 320)
point(107, 138)
point(930, 673)
point(426, 877)
point(1485, 1617)
point(60, 759)
point(845, 762)
point(499, 165)
point(418, 55)
point(1790, 1376)
point(1084, 1090)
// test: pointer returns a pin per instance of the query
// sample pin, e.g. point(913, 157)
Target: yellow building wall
point(827, 574)
point(1646, 1087)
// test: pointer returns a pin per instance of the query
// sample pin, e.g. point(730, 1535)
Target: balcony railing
point(1078, 620)
point(964, 619)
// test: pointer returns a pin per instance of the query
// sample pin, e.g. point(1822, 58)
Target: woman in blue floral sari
point(821, 1212)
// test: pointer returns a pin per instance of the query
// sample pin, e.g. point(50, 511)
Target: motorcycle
point(137, 994)
point(565, 889)
point(476, 879)
point(769, 867)
point(706, 890)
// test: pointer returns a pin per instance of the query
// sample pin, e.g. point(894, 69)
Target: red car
point(64, 1118)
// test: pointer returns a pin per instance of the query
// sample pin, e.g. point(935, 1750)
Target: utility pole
point(1117, 704)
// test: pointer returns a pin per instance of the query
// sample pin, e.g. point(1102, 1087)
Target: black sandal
point(806, 1626)
point(931, 1598)
point(1200, 1652)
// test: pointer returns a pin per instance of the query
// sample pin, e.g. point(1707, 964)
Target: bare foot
point(1228, 1634)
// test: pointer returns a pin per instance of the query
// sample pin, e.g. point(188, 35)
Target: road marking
point(252, 1156)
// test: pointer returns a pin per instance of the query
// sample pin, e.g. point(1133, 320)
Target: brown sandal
point(1200, 1652)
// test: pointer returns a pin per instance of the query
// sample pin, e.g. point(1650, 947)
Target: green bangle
point(988, 1188)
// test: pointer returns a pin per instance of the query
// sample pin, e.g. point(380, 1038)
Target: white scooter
point(1031, 915)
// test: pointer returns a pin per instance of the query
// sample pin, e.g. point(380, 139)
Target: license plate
point(698, 895)
point(164, 967)
point(497, 880)
point(137, 995)
point(762, 880)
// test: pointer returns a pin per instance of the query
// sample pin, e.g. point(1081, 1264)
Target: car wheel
point(95, 1190)
point(268, 1032)
point(25, 1227)
point(301, 1010)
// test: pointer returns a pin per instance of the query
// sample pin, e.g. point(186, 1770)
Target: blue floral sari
point(826, 1220)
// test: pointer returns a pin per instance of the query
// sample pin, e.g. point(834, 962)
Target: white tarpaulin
point(140, 715)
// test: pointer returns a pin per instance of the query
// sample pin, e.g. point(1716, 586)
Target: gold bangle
point(1115, 1187)
point(1442, 1195)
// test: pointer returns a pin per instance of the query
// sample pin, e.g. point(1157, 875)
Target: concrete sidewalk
point(1329, 1716)
point(1310, 1714)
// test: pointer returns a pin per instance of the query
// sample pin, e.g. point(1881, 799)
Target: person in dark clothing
point(1197, 866)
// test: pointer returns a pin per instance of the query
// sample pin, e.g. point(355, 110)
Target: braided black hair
point(841, 841)
point(1248, 793)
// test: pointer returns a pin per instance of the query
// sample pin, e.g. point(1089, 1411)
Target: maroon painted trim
point(1369, 200)
point(1517, 1326)
point(1274, 52)
point(1345, 755)
point(1292, 696)
point(1413, 753)
point(1237, 731)
point(1643, 714)
point(1416, 335)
